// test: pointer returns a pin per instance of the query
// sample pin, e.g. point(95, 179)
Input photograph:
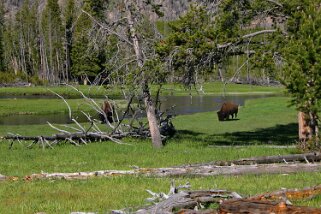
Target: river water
point(183, 105)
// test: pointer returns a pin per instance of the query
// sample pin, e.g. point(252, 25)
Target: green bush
point(9, 77)
point(35, 80)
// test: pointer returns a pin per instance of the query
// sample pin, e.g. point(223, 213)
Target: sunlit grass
point(261, 122)
point(104, 194)
point(116, 91)
point(212, 88)
point(66, 91)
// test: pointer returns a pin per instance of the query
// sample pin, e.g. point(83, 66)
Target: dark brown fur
point(108, 110)
point(227, 109)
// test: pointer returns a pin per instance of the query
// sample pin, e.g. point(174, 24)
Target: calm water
point(183, 105)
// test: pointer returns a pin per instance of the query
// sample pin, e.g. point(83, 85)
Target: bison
point(227, 109)
point(108, 110)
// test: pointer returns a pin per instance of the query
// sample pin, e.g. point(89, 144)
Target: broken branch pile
point(197, 202)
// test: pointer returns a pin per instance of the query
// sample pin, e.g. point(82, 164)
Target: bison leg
point(110, 117)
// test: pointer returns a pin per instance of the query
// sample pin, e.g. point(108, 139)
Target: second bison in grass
point(227, 109)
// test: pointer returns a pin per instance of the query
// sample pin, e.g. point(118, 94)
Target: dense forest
point(52, 42)
point(60, 41)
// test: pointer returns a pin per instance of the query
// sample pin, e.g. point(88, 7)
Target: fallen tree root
point(187, 171)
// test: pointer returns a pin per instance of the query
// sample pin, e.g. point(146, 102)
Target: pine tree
point(87, 56)
point(69, 15)
point(302, 67)
point(52, 33)
point(2, 60)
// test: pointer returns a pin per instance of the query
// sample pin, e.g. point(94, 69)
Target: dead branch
point(67, 104)
point(125, 113)
point(250, 35)
point(72, 137)
point(187, 199)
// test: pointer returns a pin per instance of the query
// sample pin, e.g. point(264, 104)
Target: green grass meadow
point(200, 138)
point(114, 92)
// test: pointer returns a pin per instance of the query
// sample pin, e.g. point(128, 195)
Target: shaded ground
point(277, 135)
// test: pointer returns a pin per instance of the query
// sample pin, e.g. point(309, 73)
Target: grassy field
point(114, 92)
point(261, 122)
point(48, 106)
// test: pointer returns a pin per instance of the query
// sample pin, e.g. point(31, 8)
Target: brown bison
point(108, 110)
point(227, 109)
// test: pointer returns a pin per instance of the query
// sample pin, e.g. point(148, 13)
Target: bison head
point(220, 115)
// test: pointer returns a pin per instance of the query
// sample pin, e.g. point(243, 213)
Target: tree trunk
point(308, 130)
point(305, 132)
point(152, 120)
point(150, 107)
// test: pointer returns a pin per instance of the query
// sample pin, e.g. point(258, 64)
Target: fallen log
point(188, 171)
point(306, 157)
point(291, 194)
point(2, 177)
point(76, 138)
point(63, 136)
point(242, 206)
point(78, 175)
point(233, 170)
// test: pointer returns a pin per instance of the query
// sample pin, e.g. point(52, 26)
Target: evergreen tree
point(69, 15)
point(28, 32)
point(96, 7)
point(52, 32)
point(302, 68)
point(87, 55)
point(189, 46)
point(2, 25)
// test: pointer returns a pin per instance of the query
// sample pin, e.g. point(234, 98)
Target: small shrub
point(10, 77)
point(35, 80)
point(313, 144)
